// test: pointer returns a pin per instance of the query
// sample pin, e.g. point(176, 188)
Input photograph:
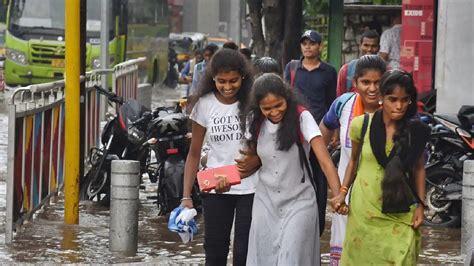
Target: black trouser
point(322, 193)
point(219, 212)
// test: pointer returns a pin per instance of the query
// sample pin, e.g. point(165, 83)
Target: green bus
point(34, 38)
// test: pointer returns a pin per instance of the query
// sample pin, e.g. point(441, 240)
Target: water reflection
point(70, 245)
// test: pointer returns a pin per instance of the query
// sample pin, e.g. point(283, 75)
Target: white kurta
point(285, 226)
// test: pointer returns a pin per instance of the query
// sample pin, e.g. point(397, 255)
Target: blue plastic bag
point(182, 222)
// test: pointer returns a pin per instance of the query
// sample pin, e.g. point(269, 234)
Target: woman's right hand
point(339, 203)
point(222, 185)
point(187, 203)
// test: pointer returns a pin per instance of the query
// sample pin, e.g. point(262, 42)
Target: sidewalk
point(47, 239)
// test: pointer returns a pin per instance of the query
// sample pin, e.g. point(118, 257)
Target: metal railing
point(125, 78)
point(36, 138)
point(93, 105)
point(35, 150)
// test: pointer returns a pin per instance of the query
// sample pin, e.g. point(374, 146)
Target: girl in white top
point(216, 119)
point(285, 224)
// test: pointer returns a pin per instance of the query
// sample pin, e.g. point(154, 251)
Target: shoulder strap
point(350, 74)
point(343, 101)
point(293, 67)
point(300, 109)
point(304, 163)
point(365, 125)
point(303, 159)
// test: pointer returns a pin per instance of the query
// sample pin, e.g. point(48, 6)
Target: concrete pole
point(235, 21)
point(104, 50)
point(125, 181)
point(72, 113)
point(467, 228)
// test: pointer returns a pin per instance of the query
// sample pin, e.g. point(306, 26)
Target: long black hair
point(226, 60)
point(369, 62)
point(270, 83)
point(388, 83)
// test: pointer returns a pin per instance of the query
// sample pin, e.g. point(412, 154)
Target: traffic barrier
point(36, 138)
point(93, 106)
point(35, 150)
point(125, 78)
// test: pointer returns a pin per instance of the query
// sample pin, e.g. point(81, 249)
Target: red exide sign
point(416, 51)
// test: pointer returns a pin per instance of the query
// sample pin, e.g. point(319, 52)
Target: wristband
point(344, 189)
point(183, 199)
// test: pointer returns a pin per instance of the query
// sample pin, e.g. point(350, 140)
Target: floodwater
point(48, 239)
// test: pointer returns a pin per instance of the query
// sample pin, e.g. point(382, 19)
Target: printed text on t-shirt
point(225, 128)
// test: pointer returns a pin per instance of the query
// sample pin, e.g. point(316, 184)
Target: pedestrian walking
point(315, 81)
point(200, 68)
point(390, 43)
point(216, 119)
point(369, 44)
point(368, 71)
point(388, 180)
point(285, 224)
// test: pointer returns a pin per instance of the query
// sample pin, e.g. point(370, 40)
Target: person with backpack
point(314, 81)
point(387, 175)
point(216, 116)
point(369, 44)
point(285, 223)
point(366, 78)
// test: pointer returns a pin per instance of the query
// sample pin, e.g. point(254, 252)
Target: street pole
point(467, 228)
point(336, 32)
point(83, 36)
point(72, 112)
point(104, 50)
point(235, 21)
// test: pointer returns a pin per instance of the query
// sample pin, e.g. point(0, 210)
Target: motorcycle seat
point(450, 118)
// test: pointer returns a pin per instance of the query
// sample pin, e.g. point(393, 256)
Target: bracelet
point(344, 189)
point(183, 199)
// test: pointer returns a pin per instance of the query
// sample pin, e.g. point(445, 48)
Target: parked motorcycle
point(448, 148)
point(169, 128)
point(123, 138)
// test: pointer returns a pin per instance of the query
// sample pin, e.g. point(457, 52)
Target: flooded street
point(48, 239)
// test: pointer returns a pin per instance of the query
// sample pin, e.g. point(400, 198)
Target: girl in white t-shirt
point(216, 119)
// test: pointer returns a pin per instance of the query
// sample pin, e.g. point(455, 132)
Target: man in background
point(316, 82)
point(390, 43)
point(369, 44)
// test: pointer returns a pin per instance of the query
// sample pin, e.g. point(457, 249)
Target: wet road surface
point(48, 239)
